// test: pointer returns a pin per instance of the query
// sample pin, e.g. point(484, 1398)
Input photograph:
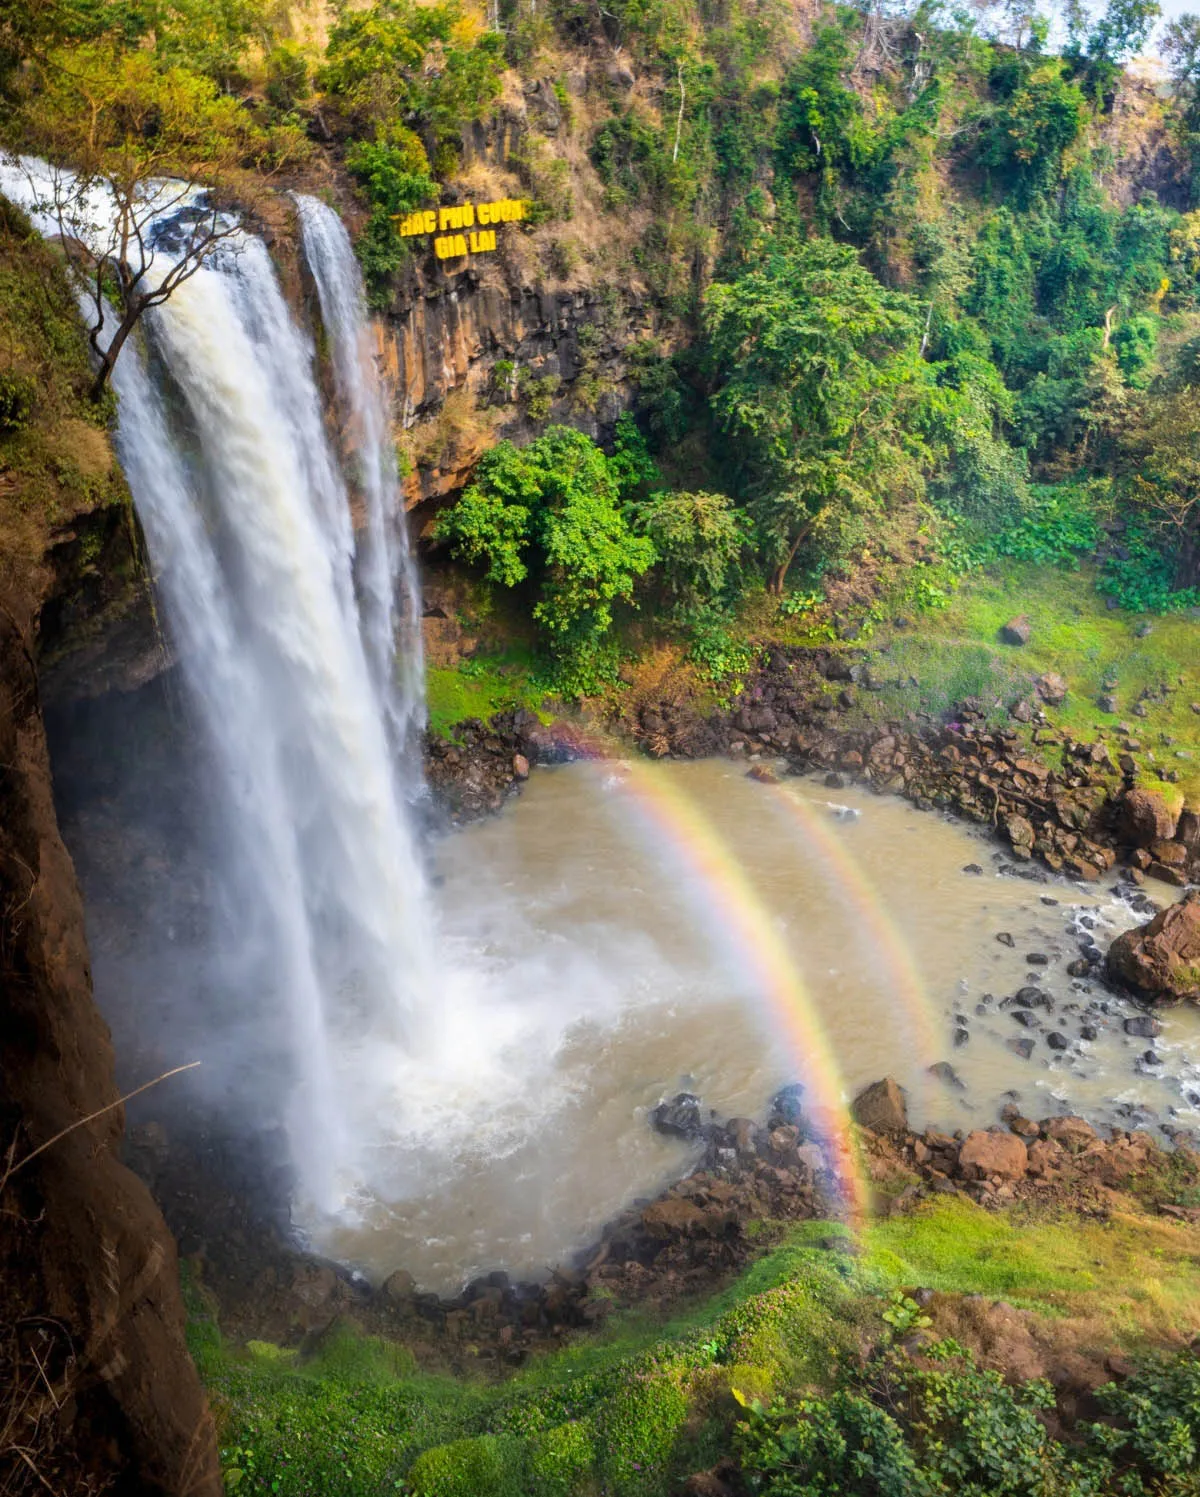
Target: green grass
point(955, 652)
point(632, 1411)
point(482, 686)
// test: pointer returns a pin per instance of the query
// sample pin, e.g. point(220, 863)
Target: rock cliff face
point(90, 1289)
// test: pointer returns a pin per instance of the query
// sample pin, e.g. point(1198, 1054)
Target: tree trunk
point(109, 355)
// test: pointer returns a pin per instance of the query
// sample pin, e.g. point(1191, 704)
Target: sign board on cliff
point(464, 228)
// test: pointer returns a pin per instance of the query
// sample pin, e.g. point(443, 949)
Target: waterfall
point(284, 621)
point(391, 600)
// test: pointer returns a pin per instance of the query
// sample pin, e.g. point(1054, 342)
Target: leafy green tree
point(699, 539)
point(1038, 117)
point(431, 68)
point(819, 370)
point(1161, 461)
point(551, 512)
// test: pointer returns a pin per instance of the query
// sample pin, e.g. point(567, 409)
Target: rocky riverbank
point(751, 1178)
point(1055, 802)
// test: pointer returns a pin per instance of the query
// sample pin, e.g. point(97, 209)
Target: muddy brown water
point(619, 936)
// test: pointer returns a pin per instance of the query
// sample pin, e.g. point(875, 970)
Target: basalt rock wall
point(97, 1383)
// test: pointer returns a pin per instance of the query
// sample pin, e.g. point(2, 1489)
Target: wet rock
point(1052, 688)
point(972, 868)
point(1088, 1032)
point(787, 1106)
point(1162, 959)
point(1018, 630)
point(961, 1037)
point(679, 1118)
point(986, 1154)
point(1080, 967)
point(944, 1072)
point(1072, 1132)
point(881, 1107)
point(1005, 938)
point(1022, 1047)
point(1020, 833)
point(1148, 1058)
point(1057, 1041)
point(399, 1286)
point(1037, 958)
point(763, 773)
point(1143, 1027)
point(743, 1135)
point(1023, 1127)
point(1144, 818)
point(520, 767)
point(1025, 1017)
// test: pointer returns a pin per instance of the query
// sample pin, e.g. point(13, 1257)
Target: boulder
point(520, 767)
point(881, 1107)
point(1072, 1132)
point(1052, 689)
point(1143, 818)
point(400, 1285)
point(1017, 631)
point(1162, 959)
point(678, 1118)
point(1045, 1155)
point(674, 1217)
point(1143, 1027)
point(985, 1153)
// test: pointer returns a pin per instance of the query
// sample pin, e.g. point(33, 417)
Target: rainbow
point(861, 897)
point(750, 929)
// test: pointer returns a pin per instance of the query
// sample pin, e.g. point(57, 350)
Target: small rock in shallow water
point(1057, 1041)
point(1150, 1059)
point(972, 868)
point(1143, 1027)
point(1037, 958)
point(881, 1107)
point(961, 1037)
point(1022, 1047)
point(1005, 939)
point(1025, 1016)
point(1088, 1032)
point(942, 1070)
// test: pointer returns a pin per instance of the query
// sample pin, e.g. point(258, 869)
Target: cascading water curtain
point(285, 622)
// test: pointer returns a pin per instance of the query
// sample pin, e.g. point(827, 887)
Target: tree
point(818, 368)
point(1162, 477)
point(136, 142)
point(699, 539)
point(552, 511)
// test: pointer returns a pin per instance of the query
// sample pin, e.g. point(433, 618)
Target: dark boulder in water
point(680, 1117)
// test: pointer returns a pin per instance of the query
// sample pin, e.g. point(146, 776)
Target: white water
point(388, 586)
point(248, 522)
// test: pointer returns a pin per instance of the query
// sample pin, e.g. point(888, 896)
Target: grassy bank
point(1142, 661)
point(632, 1412)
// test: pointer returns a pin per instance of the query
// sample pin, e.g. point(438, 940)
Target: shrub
point(486, 1466)
point(18, 393)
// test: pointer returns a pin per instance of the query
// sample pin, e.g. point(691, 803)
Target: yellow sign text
point(459, 216)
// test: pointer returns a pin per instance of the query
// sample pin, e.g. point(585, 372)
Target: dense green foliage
point(804, 1352)
point(551, 512)
point(943, 1427)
